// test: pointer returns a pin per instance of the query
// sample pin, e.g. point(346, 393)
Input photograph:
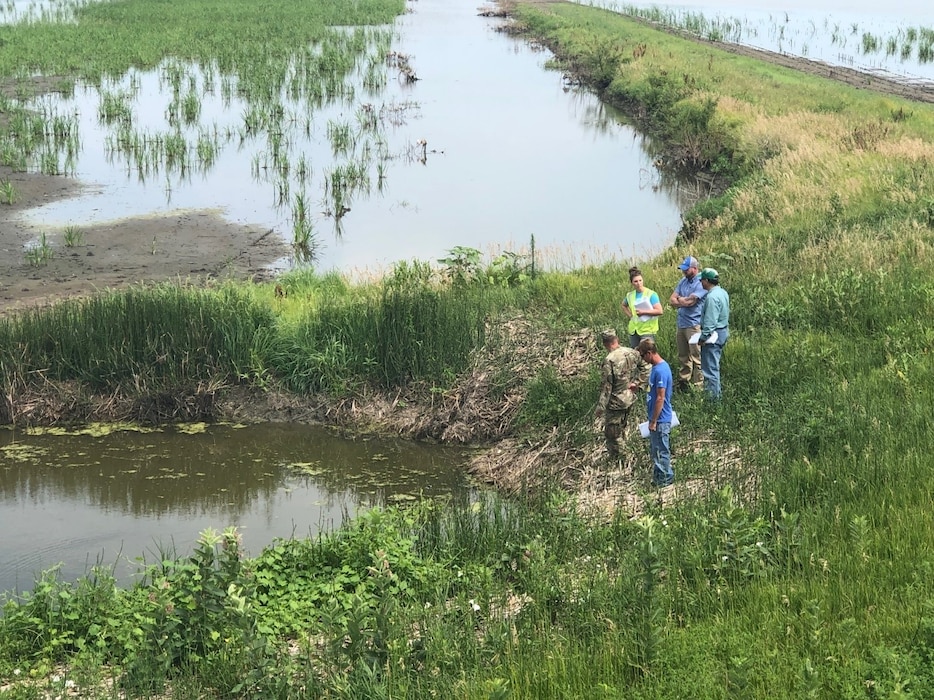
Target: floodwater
point(865, 35)
point(81, 499)
point(486, 149)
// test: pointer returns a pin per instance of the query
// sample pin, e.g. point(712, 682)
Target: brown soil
point(188, 245)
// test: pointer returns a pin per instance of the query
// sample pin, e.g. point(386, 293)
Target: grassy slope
point(825, 245)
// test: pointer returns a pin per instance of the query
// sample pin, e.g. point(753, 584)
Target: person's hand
point(633, 387)
point(653, 425)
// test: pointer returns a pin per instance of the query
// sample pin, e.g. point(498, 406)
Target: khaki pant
point(613, 427)
point(689, 371)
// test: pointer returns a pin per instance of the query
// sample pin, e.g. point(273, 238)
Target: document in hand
point(694, 338)
point(642, 306)
point(644, 427)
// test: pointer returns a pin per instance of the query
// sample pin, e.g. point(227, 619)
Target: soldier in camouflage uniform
point(624, 373)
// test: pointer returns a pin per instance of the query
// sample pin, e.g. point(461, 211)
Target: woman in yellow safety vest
point(643, 307)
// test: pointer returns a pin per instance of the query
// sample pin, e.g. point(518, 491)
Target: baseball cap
point(708, 273)
point(608, 334)
point(689, 261)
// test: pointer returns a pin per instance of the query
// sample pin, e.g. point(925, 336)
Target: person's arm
point(709, 319)
point(606, 386)
point(687, 301)
point(674, 299)
point(656, 309)
point(657, 407)
point(625, 307)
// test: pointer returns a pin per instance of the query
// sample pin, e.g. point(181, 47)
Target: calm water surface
point(830, 31)
point(81, 499)
point(508, 153)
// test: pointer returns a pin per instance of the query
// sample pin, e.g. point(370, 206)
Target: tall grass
point(408, 329)
point(163, 335)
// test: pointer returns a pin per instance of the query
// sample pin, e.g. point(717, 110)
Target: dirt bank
point(196, 245)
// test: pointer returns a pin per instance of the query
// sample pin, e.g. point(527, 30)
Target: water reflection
point(486, 149)
point(77, 498)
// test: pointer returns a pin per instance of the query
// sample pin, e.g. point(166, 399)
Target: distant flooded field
point(896, 40)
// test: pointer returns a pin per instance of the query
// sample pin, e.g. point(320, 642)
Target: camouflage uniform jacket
point(622, 367)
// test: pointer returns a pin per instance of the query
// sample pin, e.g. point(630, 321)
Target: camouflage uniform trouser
point(613, 427)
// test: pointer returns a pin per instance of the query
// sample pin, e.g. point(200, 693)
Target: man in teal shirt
point(715, 319)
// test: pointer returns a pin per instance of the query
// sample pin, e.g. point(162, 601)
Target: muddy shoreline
point(190, 245)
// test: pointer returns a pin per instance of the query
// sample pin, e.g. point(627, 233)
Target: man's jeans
point(710, 363)
point(660, 449)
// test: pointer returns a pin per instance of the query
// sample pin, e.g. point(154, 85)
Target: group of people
point(702, 331)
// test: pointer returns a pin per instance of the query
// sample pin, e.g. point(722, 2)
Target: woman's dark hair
point(634, 272)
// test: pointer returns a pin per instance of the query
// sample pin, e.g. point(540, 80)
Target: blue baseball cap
point(689, 261)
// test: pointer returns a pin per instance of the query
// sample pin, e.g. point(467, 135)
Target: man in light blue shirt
point(658, 406)
point(715, 319)
point(688, 300)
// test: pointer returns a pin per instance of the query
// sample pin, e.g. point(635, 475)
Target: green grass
point(817, 584)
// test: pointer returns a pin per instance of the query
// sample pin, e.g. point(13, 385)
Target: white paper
point(694, 338)
point(644, 304)
point(644, 427)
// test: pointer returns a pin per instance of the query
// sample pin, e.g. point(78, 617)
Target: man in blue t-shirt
point(688, 300)
point(658, 405)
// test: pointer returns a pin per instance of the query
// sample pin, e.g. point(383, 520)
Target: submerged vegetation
point(811, 579)
point(914, 44)
point(222, 93)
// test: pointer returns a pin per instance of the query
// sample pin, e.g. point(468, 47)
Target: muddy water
point(83, 499)
point(487, 148)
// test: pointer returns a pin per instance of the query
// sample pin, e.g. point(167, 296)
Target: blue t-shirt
point(660, 377)
point(690, 316)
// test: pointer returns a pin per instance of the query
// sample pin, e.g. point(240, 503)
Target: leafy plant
point(509, 269)
point(198, 611)
point(462, 264)
point(74, 236)
point(40, 253)
point(8, 192)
